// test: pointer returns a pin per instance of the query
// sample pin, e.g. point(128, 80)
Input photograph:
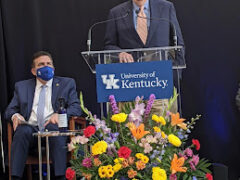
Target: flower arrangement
point(135, 144)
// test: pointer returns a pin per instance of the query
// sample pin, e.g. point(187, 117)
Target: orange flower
point(125, 163)
point(176, 120)
point(138, 132)
point(87, 176)
point(177, 163)
point(140, 165)
point(131, 173)
point(131, 160)
point(97, 162)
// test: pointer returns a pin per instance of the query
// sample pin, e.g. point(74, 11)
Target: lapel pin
point(57, 84)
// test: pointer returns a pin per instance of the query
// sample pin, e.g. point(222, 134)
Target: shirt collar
point(39, 84)
point(136, 8)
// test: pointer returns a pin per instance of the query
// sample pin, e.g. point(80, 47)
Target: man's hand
point(17, 119)
point(53, 119)
point(125, 57)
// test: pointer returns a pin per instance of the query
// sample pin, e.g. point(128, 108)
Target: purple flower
point(188, 152)
point(194, 178)
point(173, 177)
point(136, 114)
point(87, 162)
point(113, 103)
point(149, 105)
point(112, 138)
point(101, 124)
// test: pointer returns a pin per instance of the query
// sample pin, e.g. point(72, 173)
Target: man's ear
point(33, 70)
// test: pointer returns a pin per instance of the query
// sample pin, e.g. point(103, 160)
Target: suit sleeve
point(180, 57)
point(73, 105)
point(111, 34)
point(14, 106)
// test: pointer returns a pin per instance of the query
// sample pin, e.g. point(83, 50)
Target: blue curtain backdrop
point(211, 33)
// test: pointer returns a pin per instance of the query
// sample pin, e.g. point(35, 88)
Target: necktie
point(40, 108)
point(142, 25)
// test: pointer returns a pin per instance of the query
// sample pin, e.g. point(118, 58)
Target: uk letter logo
point(110, 83)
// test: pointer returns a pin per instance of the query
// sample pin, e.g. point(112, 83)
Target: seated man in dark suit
point(34, 107)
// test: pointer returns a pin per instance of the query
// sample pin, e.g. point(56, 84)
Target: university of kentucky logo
point(111, 82)
point(127, 80)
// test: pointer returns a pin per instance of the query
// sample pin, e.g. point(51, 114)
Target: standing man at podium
point(144, 24)
point(33, 108)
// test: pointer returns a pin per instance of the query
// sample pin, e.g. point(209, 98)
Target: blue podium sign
point(126, 81)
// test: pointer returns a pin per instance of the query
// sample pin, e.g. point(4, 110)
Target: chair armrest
point(10, 134)
point(77, 120)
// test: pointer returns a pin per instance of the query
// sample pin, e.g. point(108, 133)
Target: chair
point(74, 123)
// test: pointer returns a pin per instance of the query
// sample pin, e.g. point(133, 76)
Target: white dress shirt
point(48, 110)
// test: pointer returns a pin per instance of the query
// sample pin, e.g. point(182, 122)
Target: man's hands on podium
point(125, 57)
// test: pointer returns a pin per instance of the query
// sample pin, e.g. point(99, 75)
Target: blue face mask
point(45, 73)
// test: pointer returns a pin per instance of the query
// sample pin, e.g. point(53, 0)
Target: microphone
point(89, 41)
point(162, 19)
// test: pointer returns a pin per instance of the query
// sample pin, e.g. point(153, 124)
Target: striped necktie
point(40, 108)
point(142, 29)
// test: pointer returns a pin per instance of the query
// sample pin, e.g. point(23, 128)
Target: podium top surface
point(173, 53)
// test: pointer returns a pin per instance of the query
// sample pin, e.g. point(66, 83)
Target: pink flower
point(83, 139)
point(182, 155)
point(136, 114)
point(71, 146)
point(147, 148)
point(87, 162)
point(192, 166)
point(188, 152)
point(195, 159)
point(173, 177)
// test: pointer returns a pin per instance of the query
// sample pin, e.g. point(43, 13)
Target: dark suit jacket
point(24, 93)
point(121, 33)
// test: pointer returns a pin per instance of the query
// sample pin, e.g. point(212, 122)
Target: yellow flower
point(159, 119)
point(145, 159)
point(156, 129)
point(118, 160)
point(106, 171)
point(142, 157)
point(139, 155)
point(174, 140)
point(176, 120)
point(110, 173)
point(163, 134)
point(117, 167)
point(177, 163)
point(158, 174)
point(102, 172)
point(121, 117)
point(99, 148)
